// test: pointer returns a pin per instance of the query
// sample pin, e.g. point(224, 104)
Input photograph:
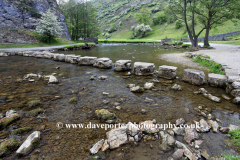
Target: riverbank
point(222, 53)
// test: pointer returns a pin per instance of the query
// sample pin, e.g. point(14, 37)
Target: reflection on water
point(167, 105)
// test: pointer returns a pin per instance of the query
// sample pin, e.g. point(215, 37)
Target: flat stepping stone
point(217, 80)
point(103, 63)
point(122, 65)
point(194, 76)
point(143, 68)
point(88, 61)
point(168, 72)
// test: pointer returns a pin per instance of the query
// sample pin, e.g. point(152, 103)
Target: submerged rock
point(176, 87)
point(168, 72)
point(105, 115)
point(20, 131)
point(34, 112)
point(97, 146)
point(117, 137)
point(105, 146)
point(166, 138)
point(29, 144)
point(226, 97)
point(73, 100)
point(53, 80)
point(224, 130)
point(4, 122)
point(122, 65)
point(148, 85)
point(34, 103)
point(190, 135)
point(211, 97)
point(103, 63)
point(11, 113)
point(8, 146)
point(143, 68)
point(194, 76)
point(137, 89)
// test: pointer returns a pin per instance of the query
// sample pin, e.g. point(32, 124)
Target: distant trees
point(48, 25)
point(141, 30)
point(81, 18)
point(143, 16)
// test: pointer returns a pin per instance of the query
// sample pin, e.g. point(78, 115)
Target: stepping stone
point(88, 61)
point(168, 72)
point(194, 76)
point(122, 65)
point(103, 63)
point(143, 68)
point(217, 80)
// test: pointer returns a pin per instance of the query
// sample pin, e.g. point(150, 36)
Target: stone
point(31, 76)
point(92, 78)
point(130, 85)
point(11, 113)
point(53, 80)
point(168, 72)
point(211, 97)
point(68, 58)
point(190, 135)
point(102, 77)
point(148, 85)
point(232, 79)
point(224, 130)
point(176, 87)
point(105, 93)
point(143, 68)
point(131, 139)
point(217, 80)
point(34, 112)
point(205, 154)
point(117, 137)
point(193, 76)
point(118, 108)
point(226, 97)
point(231, 72)
point(3, 54)
point(104, 115)
point(132, 129)
point(203, 126)
point(123, 65)
point(143, 111)
point(29, 144)
point(4, 122)
point(105, 146)
point(88, 61)
point(235, 92)
point(148, 127)
point(103, 63)
point(129, 74)
point(97, 146)
point(59, 57)
point(214, 126)
point(166, 138)
point(73, 100)
point(34, 103)
point(137, 89)
point(202, 90)
point(197, 143)
point(178, 154)
point(236, 100)
point(74, 59)
point(187, 152)
point(233, 127)
point(7, 146)
point(178, 130)
point(180, 121)
point(236, 85)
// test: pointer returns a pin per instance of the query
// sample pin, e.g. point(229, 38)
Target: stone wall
point(11, 16)
point(219, 37)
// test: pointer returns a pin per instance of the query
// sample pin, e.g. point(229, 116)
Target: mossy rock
point(73, 100)
point(21, 130)
point(4, 122)
point(34, 112)
point(34, 103)
point(8, 146)
point(105, 115)
point(19, 80)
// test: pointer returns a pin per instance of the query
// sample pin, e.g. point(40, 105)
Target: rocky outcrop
point(12, 17)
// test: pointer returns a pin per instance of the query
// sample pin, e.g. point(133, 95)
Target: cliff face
point(12, 17)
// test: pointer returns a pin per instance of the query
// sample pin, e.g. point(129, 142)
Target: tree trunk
point(206, 43)
point(195, 42)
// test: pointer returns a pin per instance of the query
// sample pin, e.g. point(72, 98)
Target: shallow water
point(167, 105)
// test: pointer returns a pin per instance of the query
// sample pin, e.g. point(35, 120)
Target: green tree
point(48, 25)
point(141, 29)
point(143, 16)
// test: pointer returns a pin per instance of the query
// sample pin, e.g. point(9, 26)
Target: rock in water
point(123, 65)
point(132, 129)
point(190, 135)
point(176, 87)
point(103, 63)
point(178, 154)
point(117, 137)
point(168, 72)
point(214, 126)
point(203, 126)
point(143, 68)
point(88, 61)
point(180, 121)
point(236, 100)
point(105, 115)
point(194, 76)
point(148, 85)
point(97, 146)
point(137, 89)
point(28, 145)
point(217, 80)
point(211, 97)
point(105, 146)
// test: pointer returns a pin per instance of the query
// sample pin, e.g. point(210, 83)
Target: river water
point(167, 105)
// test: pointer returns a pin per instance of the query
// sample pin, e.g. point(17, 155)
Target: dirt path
point(224, 54)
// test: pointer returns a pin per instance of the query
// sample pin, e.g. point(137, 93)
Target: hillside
point(21, 16)
point(123, 14)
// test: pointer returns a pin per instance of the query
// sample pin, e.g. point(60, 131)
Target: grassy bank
point(128, 41)
point(234, 139)
point(213, 66)
point(78, 45)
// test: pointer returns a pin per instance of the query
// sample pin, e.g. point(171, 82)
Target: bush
point(155, 10)
point(113, 28)
point(178, 24)
point(162, 18)
point(141, 30)
point(152, 4)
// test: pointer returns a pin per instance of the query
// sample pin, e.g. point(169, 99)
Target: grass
point(229, 157)
point(234, 138)
point(213, 66)
point(128, 41)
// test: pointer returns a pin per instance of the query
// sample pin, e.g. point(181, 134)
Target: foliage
point(141, 30)
point(152, 4)
point(113, 28)
point(160, 19)
point(155, 10)
point(178, 24)
point(213, 66)
point(234, 136)
point(107, 35)
point(48, 26)
point(229, 157)
point(81, 18)
point(143, 16)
